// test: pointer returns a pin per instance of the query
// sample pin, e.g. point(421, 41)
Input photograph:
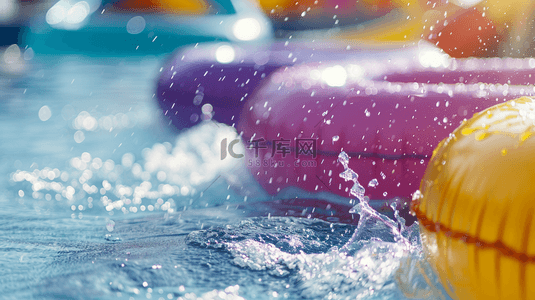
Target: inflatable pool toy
point(321, 14)
point(150, 26)
point(301, 118)
point(406, 24)
point(102, 29)
point(476, 208)
point(463, 28)
point(212, 81)
point(182, 101)
point(487, 28)
point(285, 14)
point(403, 25)
point(465, 33)
point(180, 7)
point(511, 71)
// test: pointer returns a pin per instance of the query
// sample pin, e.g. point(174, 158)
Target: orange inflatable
point(403, 25)
point(180, 7)
point(465, 33)
point(326, 11)
point(477, 205)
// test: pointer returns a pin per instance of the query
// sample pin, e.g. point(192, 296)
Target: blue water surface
point(101, 199)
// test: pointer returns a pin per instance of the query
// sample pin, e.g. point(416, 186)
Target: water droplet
point(110, 225)
point(207, 109)
point(79, 136)
point(373, 183)
point(335, 138)
point(136, 25)
point(198, 99)
point(45, 113)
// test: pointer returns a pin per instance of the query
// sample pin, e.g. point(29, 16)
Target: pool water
point(101, 199)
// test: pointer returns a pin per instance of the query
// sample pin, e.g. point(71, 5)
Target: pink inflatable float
point(304, 116)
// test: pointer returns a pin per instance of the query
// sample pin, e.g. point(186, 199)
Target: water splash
point(349, 175)
point(165, 177)
point(373, 225)
point(230, 293)
point(377, 231)
point(381, 260)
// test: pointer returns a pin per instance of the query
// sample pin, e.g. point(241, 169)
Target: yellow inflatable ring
point(477, 205)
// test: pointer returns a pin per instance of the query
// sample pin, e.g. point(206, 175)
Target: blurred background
point(126, 27)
